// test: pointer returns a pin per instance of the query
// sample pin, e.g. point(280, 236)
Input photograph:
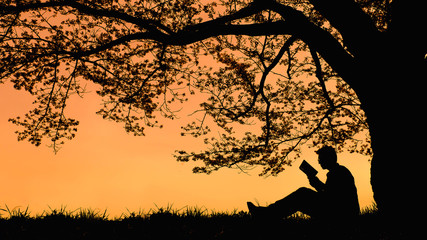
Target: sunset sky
point(106, 168)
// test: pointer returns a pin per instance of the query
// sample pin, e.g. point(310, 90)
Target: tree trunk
point(392, 93)
point(393, 99)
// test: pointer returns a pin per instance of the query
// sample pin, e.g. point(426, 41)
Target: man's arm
point(316, 183)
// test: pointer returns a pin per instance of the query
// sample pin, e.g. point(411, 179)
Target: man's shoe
point(252, 208)
point(258, 212)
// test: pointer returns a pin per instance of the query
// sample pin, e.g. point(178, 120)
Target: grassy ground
point(187, 223)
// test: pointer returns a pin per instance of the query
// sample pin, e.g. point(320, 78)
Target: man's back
point(341, 192)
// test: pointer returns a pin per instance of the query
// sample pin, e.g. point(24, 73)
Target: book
point(307, 169)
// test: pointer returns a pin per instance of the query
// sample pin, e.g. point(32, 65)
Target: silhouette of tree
point(302, 72)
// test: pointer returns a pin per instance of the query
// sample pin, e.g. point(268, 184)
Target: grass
point(169, 223)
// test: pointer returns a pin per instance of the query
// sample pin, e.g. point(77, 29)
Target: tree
point(307, 72)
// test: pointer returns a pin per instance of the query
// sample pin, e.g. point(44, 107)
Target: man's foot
point(252, 208)
point(257, 211)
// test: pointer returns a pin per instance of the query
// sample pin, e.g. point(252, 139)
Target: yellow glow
point(105, 168)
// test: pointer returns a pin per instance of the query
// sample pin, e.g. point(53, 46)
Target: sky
point(104, 168)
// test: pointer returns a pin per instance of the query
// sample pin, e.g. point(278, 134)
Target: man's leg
point(304, 199)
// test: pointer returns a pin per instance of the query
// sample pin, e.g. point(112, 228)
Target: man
point(334, 199)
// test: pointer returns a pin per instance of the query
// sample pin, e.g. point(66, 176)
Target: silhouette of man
point(335, 199)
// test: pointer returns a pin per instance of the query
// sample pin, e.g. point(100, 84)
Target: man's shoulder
point(343, 168)
point(340, 170)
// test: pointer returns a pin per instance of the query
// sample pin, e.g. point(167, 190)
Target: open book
point(308, 169)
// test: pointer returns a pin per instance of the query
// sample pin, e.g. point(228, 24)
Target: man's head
point(327, 157)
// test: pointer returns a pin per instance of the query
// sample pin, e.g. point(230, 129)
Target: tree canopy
point(275, 66)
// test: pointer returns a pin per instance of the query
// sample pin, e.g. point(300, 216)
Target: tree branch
point(6, 8)
point(295, 24)
point(356, 27)
point(258, 29)
point(319, 76)
point(186, 37)
point(93, 10)
point(325, 44)
point(273, 64)
point(253, 8)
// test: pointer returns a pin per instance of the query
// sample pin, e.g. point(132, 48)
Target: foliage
point(149, 56)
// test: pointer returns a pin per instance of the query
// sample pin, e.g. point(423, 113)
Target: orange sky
point(105, 168)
